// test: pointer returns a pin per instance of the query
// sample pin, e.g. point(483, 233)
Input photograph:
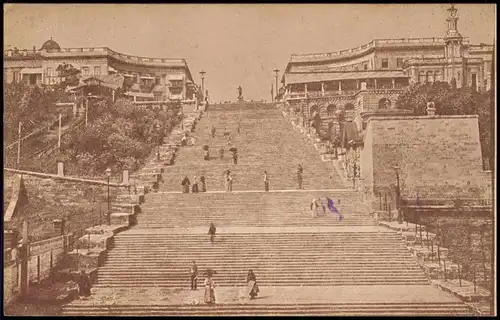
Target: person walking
point(221, 153)
point(185, 185)
point(266, 181)
point(211, 232)
point(235, 157)
point(229, 179)
point(184, 140)
point(300, 170)
point(229, 139)
point(194, 276)
point(209, 288)
point(84, 284)
point(213, 132)
point(239, 128)
point(203, 184)
point(195, 185)
point(253, 288)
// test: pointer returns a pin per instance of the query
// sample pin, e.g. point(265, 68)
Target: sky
point(235, 44)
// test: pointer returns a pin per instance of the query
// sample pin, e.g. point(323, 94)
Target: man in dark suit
point(194, 276)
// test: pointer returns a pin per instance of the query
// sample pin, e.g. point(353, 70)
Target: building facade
point(145, 79)
point(324, 90)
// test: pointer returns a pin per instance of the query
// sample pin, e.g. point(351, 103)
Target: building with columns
point(145, 79)
point(326, 90)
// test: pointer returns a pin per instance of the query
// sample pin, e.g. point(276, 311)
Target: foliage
point(453, 101)
point(69, 76)
point(30, 105)
point(119, 136)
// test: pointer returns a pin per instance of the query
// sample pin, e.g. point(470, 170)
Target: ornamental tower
point(453, 49)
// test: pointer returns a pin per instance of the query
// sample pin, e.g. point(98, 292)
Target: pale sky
point(236, 44)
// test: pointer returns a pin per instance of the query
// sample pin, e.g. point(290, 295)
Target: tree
point(69, 76)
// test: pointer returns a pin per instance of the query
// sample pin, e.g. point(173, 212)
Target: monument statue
point(240, 92)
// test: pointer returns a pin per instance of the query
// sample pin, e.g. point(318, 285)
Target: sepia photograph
point(249, 159)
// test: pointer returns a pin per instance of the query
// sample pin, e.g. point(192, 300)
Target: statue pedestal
point(240, 100)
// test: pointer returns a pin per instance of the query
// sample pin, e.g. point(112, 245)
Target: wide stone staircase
point(266, 142)
point(306, 263)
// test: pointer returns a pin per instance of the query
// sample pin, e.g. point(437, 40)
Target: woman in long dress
point(195, 185)
point(209, 289)
point(203, 184)
point(253, 288)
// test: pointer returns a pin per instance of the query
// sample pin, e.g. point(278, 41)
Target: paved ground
point(274, 295)
point(305, 229)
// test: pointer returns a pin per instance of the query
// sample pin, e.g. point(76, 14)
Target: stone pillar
point(393, 83)
point(126, 177)
point(24, 257)
point(305, 88)
point(363, 85)
point(60, 169)
point(113, 93)
point(357, 84)
point(375, 83)
point(75, 110)
point(340, 87)
point(322, 88)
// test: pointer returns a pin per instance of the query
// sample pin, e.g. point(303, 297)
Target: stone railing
point(366, 47)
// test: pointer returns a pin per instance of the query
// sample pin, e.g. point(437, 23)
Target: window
point(85, 71)
point(49, 72)
point(385, 63)
point(97, 71)
point(399, 62)
point(157, 80)
point(365, 66)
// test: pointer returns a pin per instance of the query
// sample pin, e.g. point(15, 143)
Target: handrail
point(55, 176)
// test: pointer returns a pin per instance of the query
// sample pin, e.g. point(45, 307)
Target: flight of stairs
point(266, 143)
point(278, 259)
point(250, 209)
point(273, 233)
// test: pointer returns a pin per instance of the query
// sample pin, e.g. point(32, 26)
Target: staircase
point(306, 263)
point(266, 142)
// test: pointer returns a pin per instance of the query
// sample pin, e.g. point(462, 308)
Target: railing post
point(38, 269)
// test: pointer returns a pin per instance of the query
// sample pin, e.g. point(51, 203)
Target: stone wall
point(10, 281)
point(50, 198)
point(438, 156)
point(50, 253)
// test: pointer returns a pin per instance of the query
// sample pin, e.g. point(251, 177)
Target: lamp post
point(108, 175)
point(398, 194)
point(159, 142)
point(354, 175)
point(202, 74)
point(277, 72)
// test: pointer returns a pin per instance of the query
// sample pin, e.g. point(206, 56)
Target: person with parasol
point(235, 154)
point(206, 152)
point(253, 288)
point(209, 286)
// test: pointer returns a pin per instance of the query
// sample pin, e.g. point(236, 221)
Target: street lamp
point(354, 175)
point(276, 71)
point(398, 194)
point(202, 74)
point(87, 108)
point(108, 175)
point(159, 142)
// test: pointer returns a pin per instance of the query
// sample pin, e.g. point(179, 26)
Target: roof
point(332, 76)
point(114, 81)
point(175, 77)
point(349, 133)
point(50, 45)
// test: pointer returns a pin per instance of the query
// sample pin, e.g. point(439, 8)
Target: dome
point(50, 45)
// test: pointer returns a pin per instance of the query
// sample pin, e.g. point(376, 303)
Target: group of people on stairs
point(195, 188)
point(209, 283)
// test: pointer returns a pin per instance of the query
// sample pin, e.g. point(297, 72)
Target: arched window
point(422, 77)
point(349, 106)
point(437, 76)
point(384, 103)
point(429, 77)
point(330, 110)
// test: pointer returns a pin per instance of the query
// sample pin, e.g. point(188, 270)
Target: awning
point(175, 77)
point(31, 71)
point(159, 88)
point(147, 77)
point(292, 78)
point(111, 69)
